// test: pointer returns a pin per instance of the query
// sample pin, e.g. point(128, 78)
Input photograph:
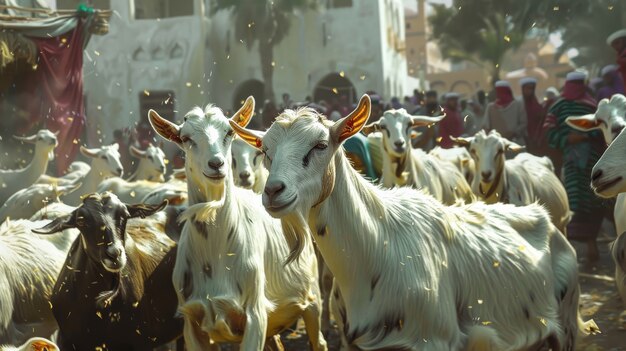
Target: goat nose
point(244, 175)
point(399, 143)
point(113, 252)
point(273, 188)
point(216, 162)
point(596, 175)
point(486, 175)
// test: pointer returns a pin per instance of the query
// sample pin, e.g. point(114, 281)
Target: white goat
point(105, 163)
point(12, 180)
point(248, 169)
point(403, 165)
point(151, 164)
point(610, 119)
point(414, 273)
point(230, 274)
point(520, 181)
point(29, 268)
point(458, 156)
point(608, 179)
point(26, 202)
point(33, 344)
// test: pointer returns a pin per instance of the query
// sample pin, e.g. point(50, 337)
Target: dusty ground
point(599, 301)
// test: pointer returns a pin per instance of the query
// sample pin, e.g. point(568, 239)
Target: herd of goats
point(456, 249)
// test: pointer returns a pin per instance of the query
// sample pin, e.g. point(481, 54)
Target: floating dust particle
point(50, 303)
point(71, 119)
point(555, 8)
point(335, 91)
point(362, 77)
point(96, 52)
point(507, 38)
point(496, 264)
point(230, 254)
point(342, 74)
point(273, 64)
point(99, 314)
point(132, 193)
point(188, 84)
point(136, 304)
point(521, 248)
point(250, 24)
point(166, 161)
point(480, 302)
point(146, 93)
point(439, 139)
point(100, 107)
point(486, 322)
point(543, 321)
point(137, 331)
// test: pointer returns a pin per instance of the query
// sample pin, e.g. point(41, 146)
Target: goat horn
point(29, 139)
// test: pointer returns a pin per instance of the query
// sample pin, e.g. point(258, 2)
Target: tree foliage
point(483, 31)
point(265, 22)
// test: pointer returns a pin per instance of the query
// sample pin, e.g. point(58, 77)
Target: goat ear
point(415, 134)
point(583, 123)
point(29, 139)
point(57, 225)
point(252, 137)
point(371, 128)
point(511, 146)
point(418, 121)
point(143, 210)
point(352, 123)
point(89, 152)
point(245, 113)
point(462, 141)
point(136, 152)
point(164, 128)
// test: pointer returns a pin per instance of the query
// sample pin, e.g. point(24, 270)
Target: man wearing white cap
point(506, 115)
point(581, 151)
point(611, 83)
point(617, 41)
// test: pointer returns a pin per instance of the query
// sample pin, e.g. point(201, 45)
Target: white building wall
point(138, 55)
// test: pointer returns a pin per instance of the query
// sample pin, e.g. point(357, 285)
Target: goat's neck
point(343, 242)
point(91, 181)
point(400, 171)
point(493, 192)
point(201, 190)
point(37, 166)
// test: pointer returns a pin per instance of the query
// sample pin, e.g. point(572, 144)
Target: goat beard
point(105, 298)
point(296, 232)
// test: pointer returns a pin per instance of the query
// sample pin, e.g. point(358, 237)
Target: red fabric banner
point(60, 77)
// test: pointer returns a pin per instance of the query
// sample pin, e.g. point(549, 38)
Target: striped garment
point(578, 159)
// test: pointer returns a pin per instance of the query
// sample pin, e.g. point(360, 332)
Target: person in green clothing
point(580, 153)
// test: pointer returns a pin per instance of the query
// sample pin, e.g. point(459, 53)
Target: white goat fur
point(26, 202)
point(458, 156)
point(148, 177)
point(12, 180)
point(248, 170)
point(230, 264)
point(415, 274)
point(403, 165)
point(33, 344)
point(105, 163)
point(29, 268)
point(610, 183)
point(524, 180)
point(75, 171)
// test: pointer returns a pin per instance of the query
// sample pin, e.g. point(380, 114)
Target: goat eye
point(104, 157)
point(185, 139)
point(321, 145)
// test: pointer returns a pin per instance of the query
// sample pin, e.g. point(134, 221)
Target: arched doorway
point(334, 86)
point(249, 87)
